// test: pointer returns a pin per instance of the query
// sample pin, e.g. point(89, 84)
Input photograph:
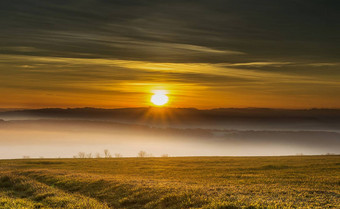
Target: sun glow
point(159, 98)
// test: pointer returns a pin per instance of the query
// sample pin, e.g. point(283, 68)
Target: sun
point(159, 98)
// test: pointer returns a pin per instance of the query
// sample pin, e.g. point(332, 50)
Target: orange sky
point(37, 82)
point(205, 54)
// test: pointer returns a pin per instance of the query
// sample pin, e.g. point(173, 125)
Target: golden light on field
point(159, 98)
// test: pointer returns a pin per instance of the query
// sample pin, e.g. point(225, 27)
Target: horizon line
point(155, 107)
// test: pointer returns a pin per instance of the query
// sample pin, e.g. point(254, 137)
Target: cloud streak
point(245, 53)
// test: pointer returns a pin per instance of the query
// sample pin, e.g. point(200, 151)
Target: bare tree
point(165, 155)
point(81, 155)
point(98, 155)
point(118, 155)
point(142, 154)
point(89, 155)
point(107, 153)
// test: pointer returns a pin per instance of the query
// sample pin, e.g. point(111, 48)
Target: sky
point(202, 53)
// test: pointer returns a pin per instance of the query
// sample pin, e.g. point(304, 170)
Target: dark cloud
point(145, 30)
point(242, 50)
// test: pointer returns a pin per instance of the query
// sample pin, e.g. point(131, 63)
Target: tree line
point(107, 154)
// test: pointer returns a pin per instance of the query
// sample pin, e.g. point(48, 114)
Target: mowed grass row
point(193, 182)
point(18, 191)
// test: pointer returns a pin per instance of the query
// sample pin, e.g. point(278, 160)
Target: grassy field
point(192, 182)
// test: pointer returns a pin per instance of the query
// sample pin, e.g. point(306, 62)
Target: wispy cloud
point(237, 51)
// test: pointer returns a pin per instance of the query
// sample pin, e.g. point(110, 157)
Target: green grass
point(192, 182)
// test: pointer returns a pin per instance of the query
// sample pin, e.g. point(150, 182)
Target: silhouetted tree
point(118, 155)
point(107, 154)
point(142, 154)
point(81, 155)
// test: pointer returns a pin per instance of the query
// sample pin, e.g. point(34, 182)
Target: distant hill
point(220, 113)
point(274, 118)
